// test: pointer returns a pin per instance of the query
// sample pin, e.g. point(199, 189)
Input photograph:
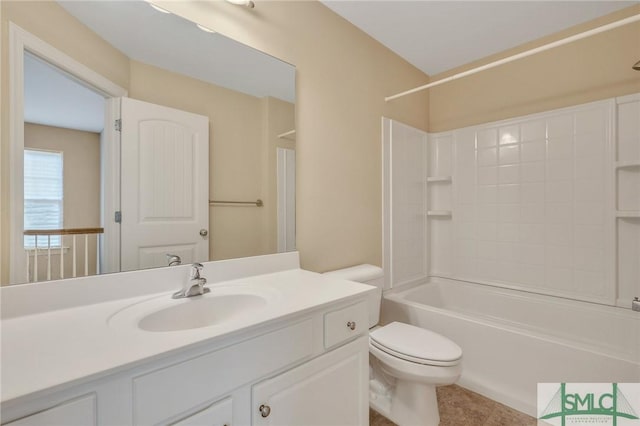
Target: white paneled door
point(165, 185)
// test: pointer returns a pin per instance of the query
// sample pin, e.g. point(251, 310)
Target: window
point(42, 194)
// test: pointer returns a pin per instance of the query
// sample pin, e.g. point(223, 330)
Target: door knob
point(204, 232)
point(265, 410)
point(351, 325)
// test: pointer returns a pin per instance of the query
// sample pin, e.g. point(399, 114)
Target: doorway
point(29, 54)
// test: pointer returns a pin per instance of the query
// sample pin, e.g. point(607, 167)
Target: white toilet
point(407, 362)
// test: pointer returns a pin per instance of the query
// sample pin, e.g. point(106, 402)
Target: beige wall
point(342, 78)
point(591, 69)
point(81, 183)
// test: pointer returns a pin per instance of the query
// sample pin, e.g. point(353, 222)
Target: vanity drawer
point(163, 394)
point(345, 323)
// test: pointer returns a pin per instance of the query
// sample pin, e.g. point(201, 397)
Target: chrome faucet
point(196, 284)
point(173, 259)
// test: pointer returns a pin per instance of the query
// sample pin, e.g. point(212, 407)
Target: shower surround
point(512, 231)
point(548, 203)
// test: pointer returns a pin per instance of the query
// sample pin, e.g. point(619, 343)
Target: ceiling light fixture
point(205, 29)
point(636, 66)
point(247, 3)
point(158, 8)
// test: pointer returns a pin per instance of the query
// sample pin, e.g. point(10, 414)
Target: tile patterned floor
point(462, 407)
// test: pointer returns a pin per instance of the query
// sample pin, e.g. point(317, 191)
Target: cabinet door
point(217, 414)
point(161, 395)
point(80, 412)
point(329, 390)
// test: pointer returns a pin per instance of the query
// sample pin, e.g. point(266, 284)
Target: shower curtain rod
point(597, 30)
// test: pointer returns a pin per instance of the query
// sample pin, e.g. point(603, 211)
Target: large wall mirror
point(191, 159)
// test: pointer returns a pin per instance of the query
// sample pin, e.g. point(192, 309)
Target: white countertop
point(60, 348)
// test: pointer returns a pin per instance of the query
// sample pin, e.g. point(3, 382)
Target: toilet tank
point(365, 274)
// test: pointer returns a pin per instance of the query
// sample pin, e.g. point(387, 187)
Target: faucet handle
point(195, 271)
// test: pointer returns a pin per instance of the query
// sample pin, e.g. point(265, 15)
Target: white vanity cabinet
point(84, 359)
point(220, 413)
point(308, 369)
point(77, 412)
point(329, 390)
point(161, 394)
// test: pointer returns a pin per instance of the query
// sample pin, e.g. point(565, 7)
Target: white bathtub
point(511, 340)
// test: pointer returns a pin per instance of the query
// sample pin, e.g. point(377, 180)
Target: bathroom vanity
point(284, 346)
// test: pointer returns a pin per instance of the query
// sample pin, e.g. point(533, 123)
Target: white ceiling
point(437, 36)
point(176, 44)
point(54, 99)
point(164, 40)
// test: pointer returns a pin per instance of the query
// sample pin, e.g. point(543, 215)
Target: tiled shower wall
point(627, 181)
point(530, 202)
point(548, 203)
point(533, 203)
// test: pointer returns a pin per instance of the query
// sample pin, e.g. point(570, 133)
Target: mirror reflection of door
point(165, 185)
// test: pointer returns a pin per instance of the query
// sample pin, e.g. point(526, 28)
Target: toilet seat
point(401, 369)
point(416, 344)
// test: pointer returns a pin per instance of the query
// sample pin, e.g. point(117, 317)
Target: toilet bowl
point(407, 362)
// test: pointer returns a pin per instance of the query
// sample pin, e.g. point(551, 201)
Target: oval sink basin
point(224, 304)
point(201, 311)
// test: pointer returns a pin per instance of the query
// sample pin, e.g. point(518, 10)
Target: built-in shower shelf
point(441, 179)
point(628, 213)
point(439, 213)
point(291, 135)
point(627, 164)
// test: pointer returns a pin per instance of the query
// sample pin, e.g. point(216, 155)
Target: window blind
point(43, 194)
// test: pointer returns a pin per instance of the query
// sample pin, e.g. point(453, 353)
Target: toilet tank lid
point(358, 273)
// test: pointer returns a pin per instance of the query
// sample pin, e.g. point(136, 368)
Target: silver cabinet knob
point(265, 410)
point(351, 325)
point(204, 232)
